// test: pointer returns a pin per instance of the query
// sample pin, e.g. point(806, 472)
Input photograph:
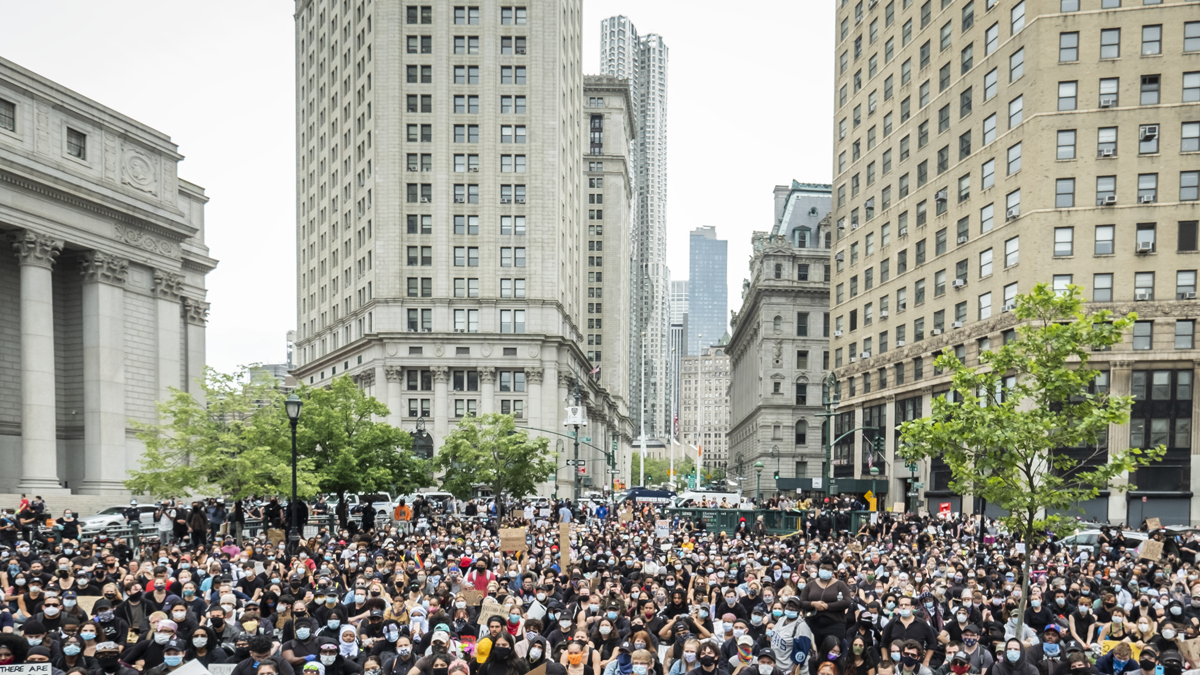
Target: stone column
point(394, 375)
point(39, 438)
point(533, 377)
point(441, 404)
point(1195, 458)
point(104, 373)
point(1120, 380)
point(487, 390)
point(167, 289)
point(857, 446)
point(195, 313)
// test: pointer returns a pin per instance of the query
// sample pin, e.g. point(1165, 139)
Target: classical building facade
point(704, 406)
point(983, 148)
point(779, 347)
point(441, 220)
point(101, 286)
point(643, 61)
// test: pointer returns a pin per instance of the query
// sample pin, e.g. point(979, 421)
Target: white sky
point(749, 86)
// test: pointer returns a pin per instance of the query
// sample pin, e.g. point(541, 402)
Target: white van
point(691, 498)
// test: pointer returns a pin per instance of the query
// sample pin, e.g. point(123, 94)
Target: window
point(989, 174)
point(1016, 65)
point(991, 39)
point(1190, 138)
point(1149, 91)
point(1191, 36)
point(1146, 235)
point(943, 78)
point(1106, 142)
point(1143, 335)
point(945, 35)
point(1010, 295)
point(989, 129)
point(1018, 17)
point(1068, 5)
point(1012, 204)
point(964, 102)
point(1185, 284)
point(1068, 47)
point(985, 306)
point(1066, 144)
point(1104, 239)
point(1147, 188)
point(1060, 282)
point(1185, 331)
point(1066, 95)
point(985, 263)
point(420, 224)
point(1191, 87)
point(464, 16)
point(512, 134)
point(1102, 287)
point(1014, 159)
point(1151, 40)
point(967, 58)
point(466, 74)
point(1143, 285)
point(1148, 139)
point(1187, 236)
point(1064, 193)
point(1110, 92)
point(512, 321)
point(512, 75)
point(1012, 250)
point(1189, 186)
point(76, 144)
point(986, 215)
point(1110, 43)
point(8, 115)
point(1064, 241)
point(1015, 111)
point(512, 16)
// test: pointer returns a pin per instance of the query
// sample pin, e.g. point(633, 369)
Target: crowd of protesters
point(428, 591)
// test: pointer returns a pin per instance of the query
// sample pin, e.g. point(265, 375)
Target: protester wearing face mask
point(958, 663)
point(204, 647)
point(305, 647)
point(174, 656)
point(1118, 660)
point(1049, 653)
point(906, 625)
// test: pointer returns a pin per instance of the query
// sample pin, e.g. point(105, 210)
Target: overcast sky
point(749, 97)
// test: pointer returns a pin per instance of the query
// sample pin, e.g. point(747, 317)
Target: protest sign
point(513, 539)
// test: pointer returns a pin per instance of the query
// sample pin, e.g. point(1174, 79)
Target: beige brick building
point(704, 393)
point(441, 236)
point(983, 146)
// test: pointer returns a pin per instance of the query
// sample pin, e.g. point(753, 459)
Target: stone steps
point(83, 505)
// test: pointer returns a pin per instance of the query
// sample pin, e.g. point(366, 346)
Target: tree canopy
point(491, 450)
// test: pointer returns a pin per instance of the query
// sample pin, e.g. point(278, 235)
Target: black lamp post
point(293, 405)
point(758, 467)
point(422, 441)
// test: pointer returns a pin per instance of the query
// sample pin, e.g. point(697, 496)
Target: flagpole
point(699, 403)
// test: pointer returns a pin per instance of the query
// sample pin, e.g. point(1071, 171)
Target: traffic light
point(776, 474)
point(880, 444)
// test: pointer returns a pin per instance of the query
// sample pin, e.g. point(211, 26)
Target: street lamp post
point(292, 405)
point(576, 482)
point(758, 467)
point(830, 401)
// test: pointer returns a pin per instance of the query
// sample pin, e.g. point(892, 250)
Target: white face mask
point(535, 653)
point(765, 669)
point(328, 660)
point(162, 638)
point(200, 641)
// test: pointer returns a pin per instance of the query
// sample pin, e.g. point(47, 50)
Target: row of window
point(465, 224)
point(511, 320)
point(466, 163)
point(466, 256)
point(464, 193)
point(466, 15)
point(1147, 189)
point(466, 105)
point(464, 133)
point(420, 407)
point(468, 44)
point(422, 287)
point(1110, 42)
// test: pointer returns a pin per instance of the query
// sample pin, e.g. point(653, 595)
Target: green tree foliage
point(236, 445)
point(353, 452)
point(1002, 441)
point(490, 450)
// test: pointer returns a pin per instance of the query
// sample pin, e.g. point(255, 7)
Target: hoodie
point(1003, 666)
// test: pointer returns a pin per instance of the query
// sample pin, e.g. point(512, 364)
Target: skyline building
point(442, 243)
point(708, 295)
point(643, 60)
point(983, 148)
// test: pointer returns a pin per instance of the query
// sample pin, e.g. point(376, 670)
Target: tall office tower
point(779, 351)
point(708, 294)
point(643, 61)
point(679, 301)
point(678, 341)
point(985, 147)
point(610, 128)
point(440, 245)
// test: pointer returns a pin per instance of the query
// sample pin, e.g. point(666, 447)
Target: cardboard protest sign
point(26, 669)
point(513, 539)
point(1150, 550)
point(540, 670)
point(626, 517)
point(1190, 650)
point(221, 668)
point(489, 609)
point(662, 529)
point(564, 546)
point(897, 507)
point(86, 602)
point(1153, 524)
point(472, 597)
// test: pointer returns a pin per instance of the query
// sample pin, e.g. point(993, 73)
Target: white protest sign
point(26, 669)
point(662, 529)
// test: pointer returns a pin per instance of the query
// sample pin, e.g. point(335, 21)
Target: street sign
point(614, 471)
point(913, 493)
point(918, 485)
point(587, 439)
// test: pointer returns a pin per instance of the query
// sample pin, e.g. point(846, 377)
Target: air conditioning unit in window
point(853, 359)
point(505, 200)
point(412, 330)
point(1187, 296)
point(870, 108)
point(460, 200)
point(1008, 308)
point(1146, 199)
point(1141, 295)
point(412, 168)
point(473, 169)
point(865, 355)
point(904, 232)
point(837, 333)
point(520, 50)
point(841, 255)
point(1148, 132)
point(956, 325)
point(936, 331)
point(962, 239)
point(941, 195)
point(1107, 152)
point(1145, 247)
point(901, 306)
point(1012, 213)
point(899, 343)
point(1107, 102)
point(883, 314)
point(520, 200)
point(424, 200)
point(1108, 200)
point(872, 3)
point(460, 330)
point(427, 169)
point(959, 283)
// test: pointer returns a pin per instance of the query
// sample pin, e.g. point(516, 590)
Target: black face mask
point(108, 663)
point(708, 659)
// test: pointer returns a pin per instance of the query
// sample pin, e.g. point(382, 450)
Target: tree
point(1004, 434)
point(660, 468)
point(490, 450)
point(353, 452)
point(236, 445)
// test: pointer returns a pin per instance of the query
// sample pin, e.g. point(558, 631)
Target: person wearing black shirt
point(708, 663)
point(305, 647)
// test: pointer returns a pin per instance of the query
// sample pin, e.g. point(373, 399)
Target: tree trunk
point(1026, 566)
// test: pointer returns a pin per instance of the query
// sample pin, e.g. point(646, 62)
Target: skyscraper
point(441, 249)
point(643, 61)
point(708, 294)
point(986, 147)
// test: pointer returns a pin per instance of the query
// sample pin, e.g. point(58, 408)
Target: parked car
point(382, 502)
point(114, 517)
point(1089, 540)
